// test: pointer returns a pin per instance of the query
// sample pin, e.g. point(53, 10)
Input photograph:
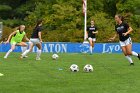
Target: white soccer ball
point(55, 56)
point(88, 68)
point(1, 74)
point(74, 68)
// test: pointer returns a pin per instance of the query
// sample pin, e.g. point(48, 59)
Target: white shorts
point(126, 42)
point(93, 39)
point(34, 41)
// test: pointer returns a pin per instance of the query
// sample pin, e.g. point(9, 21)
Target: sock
point(7, 54)
point(134, 54)
point(90, 48)
point(25, 53)
point(23, 49)
point(38, 53)
point(129, 59)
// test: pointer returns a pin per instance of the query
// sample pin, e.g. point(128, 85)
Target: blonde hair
point(18, 28)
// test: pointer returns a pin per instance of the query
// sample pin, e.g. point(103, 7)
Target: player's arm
point(129, 31)
point(40, 37)
point(96, 32)
point(86, 34)
point(26, 38)
point(10, 36)
point(113, 38)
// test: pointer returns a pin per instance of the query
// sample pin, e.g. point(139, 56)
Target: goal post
point(1, 29)
point(85, 20)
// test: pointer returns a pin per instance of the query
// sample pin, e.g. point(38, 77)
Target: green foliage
point(64, 21)
point(110, 7)
point(5, 8)
point(13, 23)
point(105, 26)
point(128, 6)
point(6, 33)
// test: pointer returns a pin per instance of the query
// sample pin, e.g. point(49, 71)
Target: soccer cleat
point(139, 56)
point(90, 53)
point(38, 58)
point(21, 57)
point(25, 56)
point(131, 64)
point(5, 57)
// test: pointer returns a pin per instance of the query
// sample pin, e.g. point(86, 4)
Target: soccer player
point(91, 34)
point(16, 38)
point(124, 30)
point(35, 40)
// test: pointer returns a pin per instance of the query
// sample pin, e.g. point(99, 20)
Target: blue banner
point(60, 47)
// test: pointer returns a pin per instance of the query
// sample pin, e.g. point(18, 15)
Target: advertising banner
point(60, 47)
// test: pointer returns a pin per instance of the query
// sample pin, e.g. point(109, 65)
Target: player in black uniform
point(91, 35)
point(35, 40)
point(124, 30)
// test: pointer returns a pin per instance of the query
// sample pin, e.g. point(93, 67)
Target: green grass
point(112, 74)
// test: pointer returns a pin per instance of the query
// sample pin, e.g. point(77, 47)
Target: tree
point(64, 20)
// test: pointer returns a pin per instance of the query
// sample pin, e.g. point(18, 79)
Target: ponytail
point(38, 23)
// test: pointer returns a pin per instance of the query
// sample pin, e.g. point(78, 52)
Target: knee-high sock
point(134, 53)
point(25, 53)
point(23, 49)
point(129, 59)
point(90, 48)
point(7, 54)
point(38, 53)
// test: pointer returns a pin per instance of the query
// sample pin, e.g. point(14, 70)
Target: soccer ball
point(88, 68)
point(1, 74)
point(74, 68)
point(55, 56)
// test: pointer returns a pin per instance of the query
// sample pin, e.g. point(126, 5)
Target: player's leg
point(129, 48)
point(128, 57)
point(91, 44)
point(130, 52)
point(23, 46)
point(31, 45)
point(38, 51)
point(12, 48)
point(124, 50)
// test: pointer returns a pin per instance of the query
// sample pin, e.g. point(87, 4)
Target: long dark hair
point(121, 17)
point(38, 23)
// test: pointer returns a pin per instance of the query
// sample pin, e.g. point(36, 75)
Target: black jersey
point(36, 31)
point(122, 28)
point(90, 31)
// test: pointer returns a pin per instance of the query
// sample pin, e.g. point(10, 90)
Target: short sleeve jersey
point(90, 31)
point(36, 31)
point(122, 28)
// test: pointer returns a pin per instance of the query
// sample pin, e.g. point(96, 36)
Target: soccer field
point(112, 74)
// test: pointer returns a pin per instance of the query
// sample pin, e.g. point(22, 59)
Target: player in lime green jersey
point(15, 39)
